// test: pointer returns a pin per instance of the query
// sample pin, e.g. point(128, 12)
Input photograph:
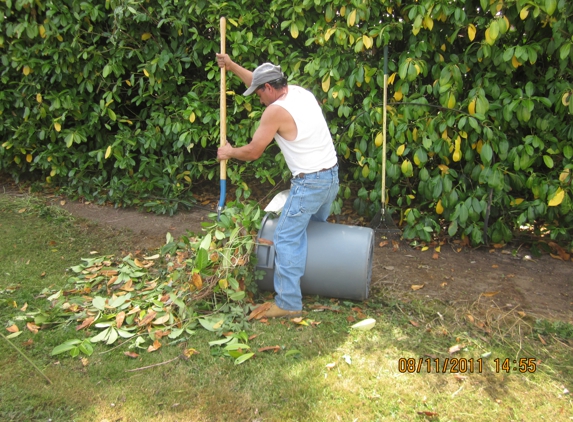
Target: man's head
point(267, 73)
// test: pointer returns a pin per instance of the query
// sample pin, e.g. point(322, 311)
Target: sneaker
point(271, 310)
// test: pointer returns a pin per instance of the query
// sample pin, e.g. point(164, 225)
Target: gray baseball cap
point(266, 72)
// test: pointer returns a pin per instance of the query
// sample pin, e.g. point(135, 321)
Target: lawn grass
point(337, 374)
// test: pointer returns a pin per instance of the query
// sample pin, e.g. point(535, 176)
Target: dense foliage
point(118, 101)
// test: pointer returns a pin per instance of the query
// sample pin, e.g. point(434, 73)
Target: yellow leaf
point(365, 171)
point(400, 150)
point(524, 13)
point(352, 18)
point(407, 168)
point(146, 73)
point(457, 156)
point(443, 168)
point(192, 117)
point(428, 23)
point(329, 33)
point(59, 37)
point(557, 198)
point(490, 294)
point(294, 30)
point(425, 248)
point(471, 31)
point(566, 98)
point(452, 101)
point(398, 95)
point(128, 82)
point(57, 126)
point(488, 39)
point(472, 106)
point(39, 98)
point(417, 160)
point(564, 175)
point(108, 152)
point(516, 201)
point(326, 84)
point(342, 11)
point(439, 207)
point(417, 286)
point(367, 41)
point(42, 31)
point(26, 70)
point(145, 36)
point(379, 139)
point(391, 78)
point(29, 158)
point(514, 62)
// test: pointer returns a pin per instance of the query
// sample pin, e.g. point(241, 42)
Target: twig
point(151, 366)
point(26, 357)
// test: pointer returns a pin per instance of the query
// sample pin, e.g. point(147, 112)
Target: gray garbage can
point(338, 262)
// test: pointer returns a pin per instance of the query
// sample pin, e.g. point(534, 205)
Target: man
point(294, 118)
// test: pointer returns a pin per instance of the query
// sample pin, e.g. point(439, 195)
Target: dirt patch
point(508, 279)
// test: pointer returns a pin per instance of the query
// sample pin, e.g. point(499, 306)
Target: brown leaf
point(436, 255)
point(109, 273)
point(273, 348)
point(265, 241)
point(32, 327)
point(155, 346)
point(414, 323)
point(13, 329)
point(197, 280)
point(127, 286)
point(112, 280)
point(132, 355)
point(460, 377)
point(23, 308)
point(395, 245)
point(161, 320)
point(86, 323)
point(455, 348)
point(350, 318)
point(495, 266)
point(470, 318)
point(417, 286)
point(427, 413)
point(383, 243)
point(490, 294)
point(119, 318)
point(259, 311)
point(542, 340)
point(148, 318)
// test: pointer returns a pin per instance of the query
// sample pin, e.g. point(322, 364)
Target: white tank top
point(313, 149)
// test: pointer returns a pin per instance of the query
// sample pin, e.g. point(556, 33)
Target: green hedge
point(118, 101)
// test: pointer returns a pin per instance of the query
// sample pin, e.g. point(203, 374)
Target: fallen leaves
point(259, 311)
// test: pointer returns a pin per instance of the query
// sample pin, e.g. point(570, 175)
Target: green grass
point(339, 374)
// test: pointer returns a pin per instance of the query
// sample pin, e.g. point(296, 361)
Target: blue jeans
point(310, 198)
